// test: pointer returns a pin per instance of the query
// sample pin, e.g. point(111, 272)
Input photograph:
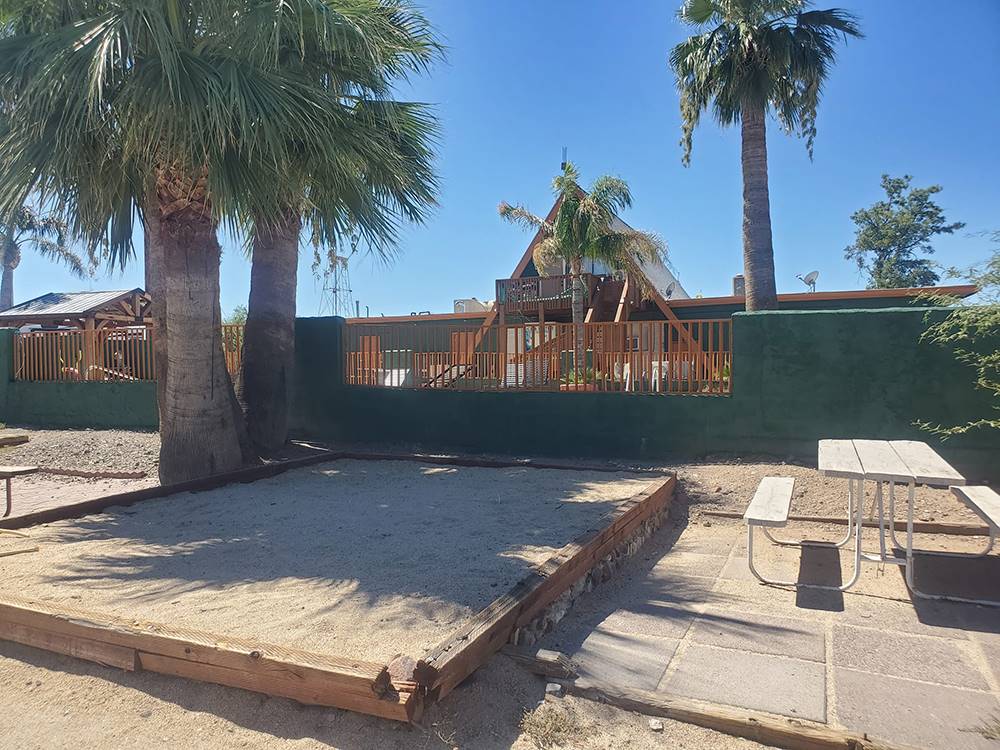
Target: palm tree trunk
point(576, 268)
point(198, 424)
point(7, 287)
point(153, 267)
point(269, 338)
point(758, 252)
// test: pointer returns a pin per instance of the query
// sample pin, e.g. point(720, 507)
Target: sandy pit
point(364, 559)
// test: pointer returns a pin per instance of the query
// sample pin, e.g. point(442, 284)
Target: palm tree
point(758, 56)
point(382, 172)
point(150, 108)
point(584, 229)
point(46, 234)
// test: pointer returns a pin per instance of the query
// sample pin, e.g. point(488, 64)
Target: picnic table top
point(886, 460)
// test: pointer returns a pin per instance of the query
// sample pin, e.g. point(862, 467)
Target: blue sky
point(919, 95)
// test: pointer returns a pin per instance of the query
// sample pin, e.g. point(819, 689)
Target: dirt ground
point(350, 558)
point(48, 702)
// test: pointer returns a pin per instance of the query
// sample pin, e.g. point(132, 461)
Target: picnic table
point(887, 463)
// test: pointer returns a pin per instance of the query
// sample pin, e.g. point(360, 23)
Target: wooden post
point(89, 348)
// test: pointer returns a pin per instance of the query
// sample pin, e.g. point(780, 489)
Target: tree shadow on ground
point(447, 540)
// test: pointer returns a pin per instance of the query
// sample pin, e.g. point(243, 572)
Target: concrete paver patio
point(688, 620)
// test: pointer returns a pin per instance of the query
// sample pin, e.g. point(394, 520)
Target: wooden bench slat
point(925, 464)
point(881, 462)
point(7, 472)
point(983, 501)
point(837, 458)
point(771, 502)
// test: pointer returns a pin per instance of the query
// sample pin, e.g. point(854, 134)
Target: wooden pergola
point(86, 311)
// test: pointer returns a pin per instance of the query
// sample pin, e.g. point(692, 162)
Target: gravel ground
point(715, 483)
point(85, 450)
point(728, 484)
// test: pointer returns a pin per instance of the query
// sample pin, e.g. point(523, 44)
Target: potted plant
point(582, 380)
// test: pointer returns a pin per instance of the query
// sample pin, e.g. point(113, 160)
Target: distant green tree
point(237, 317)
point(891, 233)
point(973, 331)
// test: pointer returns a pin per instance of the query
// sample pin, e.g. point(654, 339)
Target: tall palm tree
point(44, 233)
point(756, 57)
point(383, 171)
point(584, 229)
point(121, 109)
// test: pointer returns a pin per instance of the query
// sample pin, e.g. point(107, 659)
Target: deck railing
point(108, 354)
point(693, 357)
point(526, 294)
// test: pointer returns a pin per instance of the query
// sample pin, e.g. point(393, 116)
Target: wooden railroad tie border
point(776, 731)
point(919, 527)
point(97, 505)
point(469, 647)
point(310, 678)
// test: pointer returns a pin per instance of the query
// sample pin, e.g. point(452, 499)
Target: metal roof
point(66, 303)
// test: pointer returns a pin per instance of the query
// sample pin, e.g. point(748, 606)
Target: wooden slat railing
point(108, 354)
point(660, 357)
point(525, 294)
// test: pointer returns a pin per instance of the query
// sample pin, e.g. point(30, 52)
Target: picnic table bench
point(9, 472)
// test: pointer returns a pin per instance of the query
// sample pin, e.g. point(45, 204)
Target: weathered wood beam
point(310, 678)
point(792, 734)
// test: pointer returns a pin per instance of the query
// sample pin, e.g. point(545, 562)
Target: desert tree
point(891, 233)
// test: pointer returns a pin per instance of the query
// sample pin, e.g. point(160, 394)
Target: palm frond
point(522, 217)
point(763, 55)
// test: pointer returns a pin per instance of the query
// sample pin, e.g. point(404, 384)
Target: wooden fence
point(109, 354)
point(693, 357)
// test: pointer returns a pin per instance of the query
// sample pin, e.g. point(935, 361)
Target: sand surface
point(353, 558)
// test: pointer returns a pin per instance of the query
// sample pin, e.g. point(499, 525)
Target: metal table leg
point(909, 564)
point(892, 531)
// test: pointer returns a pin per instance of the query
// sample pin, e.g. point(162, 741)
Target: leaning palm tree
point(148, 108)
point(756, 57)
point(381, 172)
point(44, 233)
point(584, 229)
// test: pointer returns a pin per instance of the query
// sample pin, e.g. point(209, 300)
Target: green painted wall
point(119, 405)
point(798, 377)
